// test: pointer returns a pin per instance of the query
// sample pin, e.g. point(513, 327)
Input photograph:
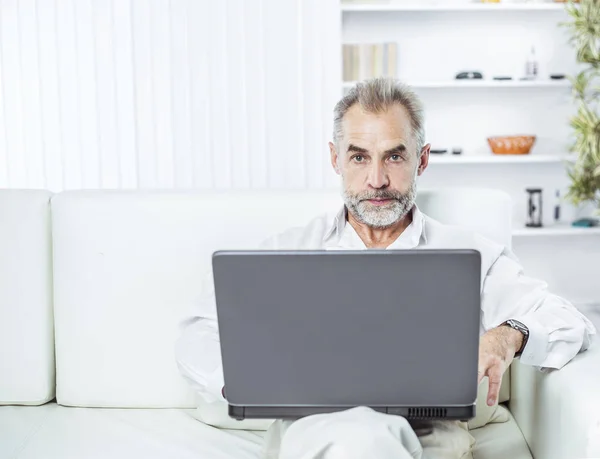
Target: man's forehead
point(395, 118)
point(380, 130)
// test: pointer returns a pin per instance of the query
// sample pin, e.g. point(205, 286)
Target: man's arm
point(198, 350)
point(557, 330)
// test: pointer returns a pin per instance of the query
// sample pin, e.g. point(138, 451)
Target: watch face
point(519, 326)
point(516, 325)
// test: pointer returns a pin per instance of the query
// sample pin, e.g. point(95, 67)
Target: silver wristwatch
point(516, 325)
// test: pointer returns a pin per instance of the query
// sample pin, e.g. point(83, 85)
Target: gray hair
point(377, 95)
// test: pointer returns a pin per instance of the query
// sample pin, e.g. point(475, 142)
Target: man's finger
point(482, 368)
point(495, 377)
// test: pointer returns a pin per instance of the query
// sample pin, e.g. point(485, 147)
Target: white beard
point(381, 216)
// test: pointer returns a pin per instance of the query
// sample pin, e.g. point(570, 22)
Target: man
point(379, 150)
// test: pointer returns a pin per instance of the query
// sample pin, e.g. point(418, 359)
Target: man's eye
point(395, 157)
point(359, 158)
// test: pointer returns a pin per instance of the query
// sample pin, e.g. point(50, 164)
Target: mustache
point(379, 195)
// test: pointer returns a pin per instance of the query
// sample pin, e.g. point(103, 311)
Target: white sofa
point(94, 285)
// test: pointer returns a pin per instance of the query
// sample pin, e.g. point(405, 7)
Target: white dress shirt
point(557, 330)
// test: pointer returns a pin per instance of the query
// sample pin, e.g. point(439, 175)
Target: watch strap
point(520, 327)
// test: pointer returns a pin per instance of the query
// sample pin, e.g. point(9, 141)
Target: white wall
point(167, 94)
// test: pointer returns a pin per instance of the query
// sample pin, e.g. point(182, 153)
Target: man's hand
point(497, 349)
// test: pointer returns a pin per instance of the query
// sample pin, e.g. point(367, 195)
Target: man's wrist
point(518, 335)
point(515, 338)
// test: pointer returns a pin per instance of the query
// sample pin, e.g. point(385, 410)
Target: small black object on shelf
point(469, 76)
point(438, 151)
point(502, 78)
point(534, 208)
point(557, 76)
point(457, 151)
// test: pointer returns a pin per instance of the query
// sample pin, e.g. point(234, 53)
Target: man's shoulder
point(307, 237)
point(441, 235)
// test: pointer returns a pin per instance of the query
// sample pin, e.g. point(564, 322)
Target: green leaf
point(583, 27)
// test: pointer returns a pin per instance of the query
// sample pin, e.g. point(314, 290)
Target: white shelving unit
point(449, 158)
point(437, 39)
point(424, 7)
point(558, 230)
point(481, 84)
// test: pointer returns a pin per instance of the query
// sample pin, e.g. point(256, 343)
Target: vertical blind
point(167, 93)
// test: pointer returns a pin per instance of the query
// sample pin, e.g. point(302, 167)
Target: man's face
point(378, 161)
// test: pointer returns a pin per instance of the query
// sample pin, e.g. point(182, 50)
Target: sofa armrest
point(559, 411)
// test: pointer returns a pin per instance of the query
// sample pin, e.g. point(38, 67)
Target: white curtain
point(167, 93)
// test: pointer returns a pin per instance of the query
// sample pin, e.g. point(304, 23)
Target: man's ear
point(424, 159)
point(334, 158)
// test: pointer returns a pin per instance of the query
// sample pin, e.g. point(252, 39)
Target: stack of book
point(364, 61)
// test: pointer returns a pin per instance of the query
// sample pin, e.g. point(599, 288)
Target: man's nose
point(378, 177)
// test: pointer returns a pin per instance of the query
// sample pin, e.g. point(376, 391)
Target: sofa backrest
point(26, 324)
point(485, 211)
point(128, 266)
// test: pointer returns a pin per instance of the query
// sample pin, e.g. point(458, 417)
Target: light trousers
point(361, 433)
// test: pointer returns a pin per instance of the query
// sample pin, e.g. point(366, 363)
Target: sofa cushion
point(55, 432)
point(52, 432)
point(500, 441)
point(26, 323)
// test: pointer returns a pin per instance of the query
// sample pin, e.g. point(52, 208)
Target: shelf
point(477, 84)
point(483, 7)
point(558, 230)
point(449, 158)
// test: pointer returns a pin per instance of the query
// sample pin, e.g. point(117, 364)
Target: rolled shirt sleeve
point(557, 330)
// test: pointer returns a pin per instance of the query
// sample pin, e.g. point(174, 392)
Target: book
point(369, 60)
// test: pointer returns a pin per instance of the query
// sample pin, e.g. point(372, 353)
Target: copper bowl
point(511, 145)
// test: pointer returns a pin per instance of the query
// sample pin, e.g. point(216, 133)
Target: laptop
point(309, 332)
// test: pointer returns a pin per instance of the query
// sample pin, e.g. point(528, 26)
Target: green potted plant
point(584, 29)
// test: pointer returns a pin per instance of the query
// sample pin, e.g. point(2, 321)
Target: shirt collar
point(336, 225)
point(409, 239)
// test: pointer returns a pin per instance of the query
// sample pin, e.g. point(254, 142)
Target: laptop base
point(416, 413)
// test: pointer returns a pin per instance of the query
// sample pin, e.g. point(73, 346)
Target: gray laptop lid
point(323, 331)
